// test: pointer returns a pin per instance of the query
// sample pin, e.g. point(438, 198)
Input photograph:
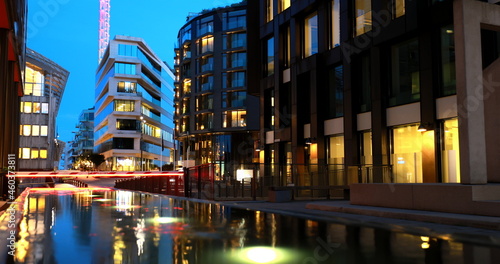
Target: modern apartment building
point(44, 86)
point(387, 91)
point(216, 119)
point(83, 141)
point(133, 126)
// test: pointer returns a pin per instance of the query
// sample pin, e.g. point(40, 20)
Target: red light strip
point(71, 189)
point(110, 174)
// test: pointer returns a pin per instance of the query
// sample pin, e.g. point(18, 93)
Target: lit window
point(34, 153)
point(35, 130)
point(335, 30)
point(234, 119)
point(311, 35)
point(43, 153)
point(283, 5)
point(126, 87)
point(207, 44)
point(124, 105)
point(26, 130)
point(25, 153)
point(34, 81)
point(27, 107)
point(269, 10)
point(36, 108)
point(363, 9)
point(44, 131)
point(45, 108)
point(398, 8)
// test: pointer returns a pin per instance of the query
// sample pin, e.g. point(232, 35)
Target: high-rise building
point(216, 119)
point(12, 60)
point(44, 86)
point(133, 126)
point(388, 91)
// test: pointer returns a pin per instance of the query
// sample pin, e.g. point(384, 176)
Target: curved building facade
point(44, 85)
point(216, 120)
point(133, 126)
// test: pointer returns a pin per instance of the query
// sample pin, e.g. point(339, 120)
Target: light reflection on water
point(126, 227)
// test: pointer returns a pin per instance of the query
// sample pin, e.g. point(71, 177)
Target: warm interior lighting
point(421, 128)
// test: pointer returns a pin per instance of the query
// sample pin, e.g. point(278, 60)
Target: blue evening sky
point(66, 31)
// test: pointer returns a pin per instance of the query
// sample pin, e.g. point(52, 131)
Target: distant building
point(83, 141)
point(44, 86)
point(134, 107)
point(216, 119)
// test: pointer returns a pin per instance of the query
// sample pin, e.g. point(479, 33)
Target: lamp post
point(143, 122)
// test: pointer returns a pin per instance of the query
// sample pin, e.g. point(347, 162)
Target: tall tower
point(104, 8)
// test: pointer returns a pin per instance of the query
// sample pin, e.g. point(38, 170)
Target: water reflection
point(99, 226)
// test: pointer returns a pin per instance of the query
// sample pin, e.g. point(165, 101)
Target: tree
point(97, 159)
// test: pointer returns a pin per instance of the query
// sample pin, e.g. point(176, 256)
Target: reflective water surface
point(90, 226)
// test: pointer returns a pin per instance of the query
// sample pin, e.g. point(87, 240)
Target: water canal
point(114, 226)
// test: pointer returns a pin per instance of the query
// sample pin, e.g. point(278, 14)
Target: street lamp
point(141, 141)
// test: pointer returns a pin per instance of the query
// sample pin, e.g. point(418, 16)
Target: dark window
point(123, 143)
point(405, 86)
point(363, 84)
point(335, 102)
point(448, 73)
point(127, 124)
point(233, 99)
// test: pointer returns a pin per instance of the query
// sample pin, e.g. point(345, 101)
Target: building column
point(469, 81)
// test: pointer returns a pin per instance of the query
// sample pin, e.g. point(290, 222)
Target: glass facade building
point(358, 91)
point(214, 113)
point(134, 108)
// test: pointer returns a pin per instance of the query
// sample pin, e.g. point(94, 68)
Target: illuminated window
point(34, 153)
point(186, 87)
point(269, 10)
point(26, 130)
point(335, 30)
point(450, 151)
point(34, 81)
point(206, 44)
point(204, 102)
point(35, 130)
point(45, 108)
point(363, 14)
point(36, 108)
point(124, 105)
point(234, 118)
point(407, 154)
point(204, 121)
point(25, 153)
point(311, 35)
point(43, 153)
point(126, 87)
point(336, 159)
point(44, 131)
point(283, 4)
point(398, 8)
point(27, 107)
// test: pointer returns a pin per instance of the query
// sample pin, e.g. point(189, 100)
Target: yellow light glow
point(166, 220)
point(425, 245)
point(424, 238)
point(261, 254)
